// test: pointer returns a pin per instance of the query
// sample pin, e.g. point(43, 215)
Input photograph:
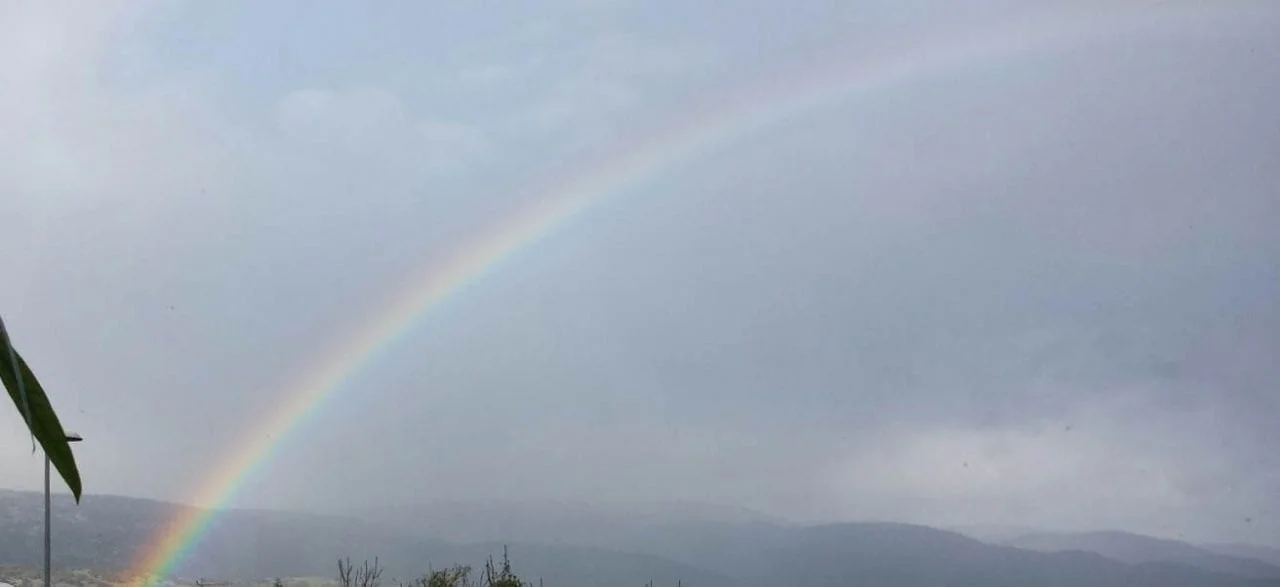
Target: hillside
point(106, 532)
point(1138, 549)
point(1265, 554)
point(551, 521)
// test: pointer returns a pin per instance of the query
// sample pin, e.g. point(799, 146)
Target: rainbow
point(839, 77)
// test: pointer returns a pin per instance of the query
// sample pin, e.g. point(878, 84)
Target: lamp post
point(48, 539)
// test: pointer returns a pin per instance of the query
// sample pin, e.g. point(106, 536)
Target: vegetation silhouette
point(494, 574)
point(37, 412)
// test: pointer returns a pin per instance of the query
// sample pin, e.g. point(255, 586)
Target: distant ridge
point(1265, 554)
point(627, 548)
point(1138, 549)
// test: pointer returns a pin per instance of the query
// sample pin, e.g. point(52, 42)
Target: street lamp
point(48, 541)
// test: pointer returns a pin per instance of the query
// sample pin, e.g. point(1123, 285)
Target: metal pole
point(48, 559)
point(48, 539)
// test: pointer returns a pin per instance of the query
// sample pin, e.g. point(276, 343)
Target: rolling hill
point(716, 551)
point(1138, 549)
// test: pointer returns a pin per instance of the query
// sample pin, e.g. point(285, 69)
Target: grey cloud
point(375, 123)
point(1059, 270)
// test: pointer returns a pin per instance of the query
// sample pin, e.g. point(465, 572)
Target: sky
point(1040, 288)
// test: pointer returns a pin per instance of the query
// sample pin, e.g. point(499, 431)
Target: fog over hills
point(1263, 553)
point(1137, 549)
point(108, 532)
point(555, 521)
point(579, 545)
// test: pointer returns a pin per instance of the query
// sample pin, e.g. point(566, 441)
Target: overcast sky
point(1043, 289)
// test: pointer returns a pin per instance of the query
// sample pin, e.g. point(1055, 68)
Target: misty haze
point(643, 293)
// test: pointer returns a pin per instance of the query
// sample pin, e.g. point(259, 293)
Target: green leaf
point(44, 422)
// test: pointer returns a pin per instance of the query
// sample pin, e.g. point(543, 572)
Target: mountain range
point(579, 545)
point(1138, 549)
